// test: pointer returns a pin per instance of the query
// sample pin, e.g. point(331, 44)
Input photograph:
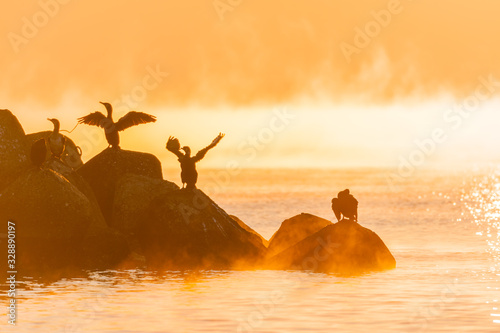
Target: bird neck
point(56, 127)
point(109, 109)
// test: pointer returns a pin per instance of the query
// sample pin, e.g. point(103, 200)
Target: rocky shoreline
point(116, 210)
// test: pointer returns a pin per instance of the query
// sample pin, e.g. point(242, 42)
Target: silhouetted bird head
point(108, 107)
point(55, 122)
point(187, 150)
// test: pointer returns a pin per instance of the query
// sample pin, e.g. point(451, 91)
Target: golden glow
point(228, 73)
point(333, 136)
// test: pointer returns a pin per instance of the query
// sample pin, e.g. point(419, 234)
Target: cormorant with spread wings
point(111, 128)
point(189, 175)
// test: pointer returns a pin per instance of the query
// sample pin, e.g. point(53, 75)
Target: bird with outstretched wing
point(111, 128)
point(199, 155)
point(174, 146)
point(94, 119)
point(189, 175)
point(134, 118)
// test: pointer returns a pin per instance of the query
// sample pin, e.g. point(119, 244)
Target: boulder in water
point(242, 224)
point(185, 229)
point(51, 217)
point(295, 229)
point(344, 247)
point(104, 248)
point(55, 224)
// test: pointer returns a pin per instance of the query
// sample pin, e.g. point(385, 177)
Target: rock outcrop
point(14, 153)
point(183, 229)
point(344, 247)
point(186, 229)
point(242, 224)
point(52, 217)
point(118, 201)
point(293, 230)
point(104, 248)
point(132, 201)
point(103, 172)
point(75, 179)
point(71, 155)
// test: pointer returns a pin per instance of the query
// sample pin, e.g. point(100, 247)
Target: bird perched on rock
point(189, 175)
point(345, 206)
point(56, 140)
point(111, 128)
point(38, 152)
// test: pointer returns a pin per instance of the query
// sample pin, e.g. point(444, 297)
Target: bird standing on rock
point(189, 175)
point(345, 206)
point(111, 128)
point(56, 140)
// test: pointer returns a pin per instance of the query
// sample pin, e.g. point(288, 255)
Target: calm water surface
point(442, 229)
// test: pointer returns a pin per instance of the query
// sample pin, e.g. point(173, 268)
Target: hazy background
point(231, 71)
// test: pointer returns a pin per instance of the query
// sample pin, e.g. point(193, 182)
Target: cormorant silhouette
point(56, 140)
point(189, 175)
point(345, 205)
point(38, 152)
point(111, 128)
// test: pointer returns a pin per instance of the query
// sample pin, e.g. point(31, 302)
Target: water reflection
point(440, 285)
point(482, 200)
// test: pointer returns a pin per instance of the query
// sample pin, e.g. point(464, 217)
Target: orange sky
point(231, 69)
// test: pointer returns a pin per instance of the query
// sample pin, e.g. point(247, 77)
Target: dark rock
point(71, 155)
point(57, 225)
point(133, 197)
point(14, 153)
point(344, 247)
point(71, 175)
point(242, 224)
point(104, 170)
point(294, 230)
point(51, 217)
point(104, 248)
point(74, 178)
point(186, 229)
